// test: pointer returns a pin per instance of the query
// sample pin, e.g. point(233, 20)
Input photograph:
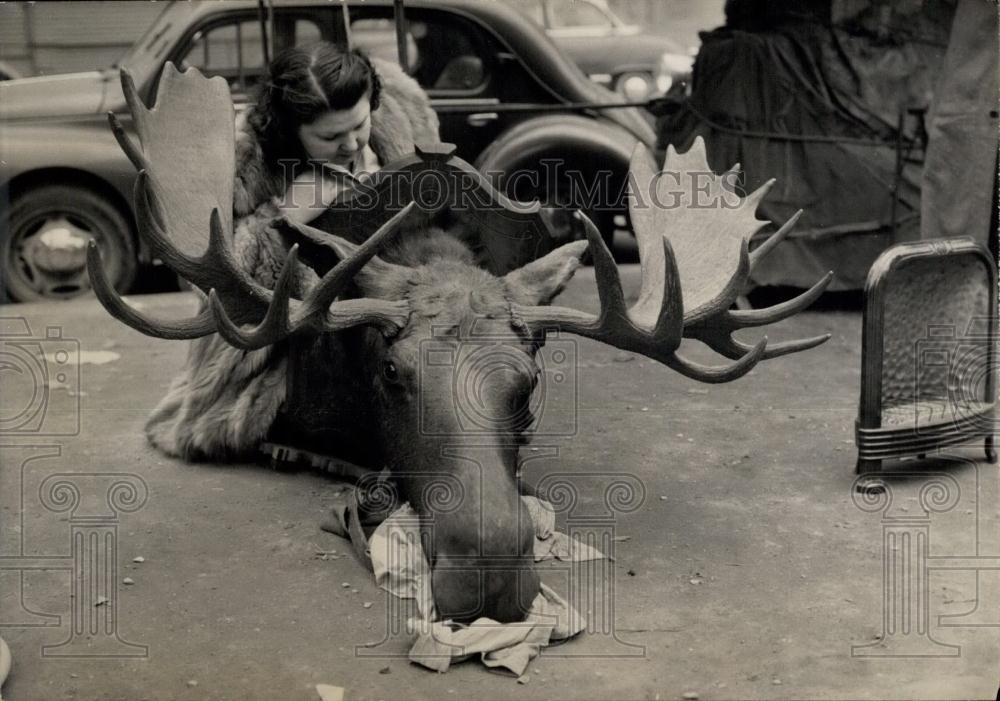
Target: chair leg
point(866, 466)
point(991, 451)
point(870, 481)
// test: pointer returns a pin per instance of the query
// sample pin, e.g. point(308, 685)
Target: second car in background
point(635, 63)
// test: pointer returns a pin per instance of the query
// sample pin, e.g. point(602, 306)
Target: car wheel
point(45, 247)
point(558, 208)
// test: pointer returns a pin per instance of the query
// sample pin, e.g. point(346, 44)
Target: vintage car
point(623, 57)
point(506, 96)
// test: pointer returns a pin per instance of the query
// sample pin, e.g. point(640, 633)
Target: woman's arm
point(311, 193)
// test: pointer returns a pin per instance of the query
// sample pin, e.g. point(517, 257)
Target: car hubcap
point(50, 255)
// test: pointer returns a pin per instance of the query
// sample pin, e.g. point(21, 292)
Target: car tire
point(557, 210)
point(45, 234)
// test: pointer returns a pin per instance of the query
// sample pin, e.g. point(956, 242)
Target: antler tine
point(729, 178)
point(220, 258)
point(769, 315)
point(773, 240)
point(665, 333)
point(134, 153)
point(132, 99)
point(180, 329)
point(715, 331)
point(634, 329)
point(719, 339)
point(717, 374)
point(775, 350)
point(669, 328)
point(316, 305)
point(754, 199)
point(274, 325)
point(609, 284)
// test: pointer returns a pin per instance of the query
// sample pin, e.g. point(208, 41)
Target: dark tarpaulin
point(961, 166)
point(811, 94)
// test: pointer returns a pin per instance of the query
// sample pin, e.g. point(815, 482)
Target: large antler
point(693, 230)
point(186, 165)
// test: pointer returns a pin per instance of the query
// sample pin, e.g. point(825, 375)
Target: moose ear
point(541, 280)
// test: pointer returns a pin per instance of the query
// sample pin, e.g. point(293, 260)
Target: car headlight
point(669, 68)
point(635, 87)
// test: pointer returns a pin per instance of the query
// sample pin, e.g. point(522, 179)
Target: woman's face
point(338, 136)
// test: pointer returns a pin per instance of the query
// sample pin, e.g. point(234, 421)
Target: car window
point(445, 53)
point(575, 13)
point(234, 49)
point(376, 36)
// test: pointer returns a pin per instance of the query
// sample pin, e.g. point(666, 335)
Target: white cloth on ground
point(401, 568)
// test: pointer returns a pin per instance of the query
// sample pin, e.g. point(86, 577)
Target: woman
point(318, 103)
point(324, 105)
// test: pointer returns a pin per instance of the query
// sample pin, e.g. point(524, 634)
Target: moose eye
point(389, 371)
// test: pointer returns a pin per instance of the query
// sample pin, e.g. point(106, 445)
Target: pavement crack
point(650, 630)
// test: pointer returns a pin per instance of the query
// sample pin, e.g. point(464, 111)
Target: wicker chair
point(928, 376)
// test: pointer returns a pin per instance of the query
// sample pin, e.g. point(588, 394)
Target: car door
point(453, 59)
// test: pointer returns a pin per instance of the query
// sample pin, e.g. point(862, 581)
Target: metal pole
point(404, 59)
point(29, 37)
point(347, 25)
point(899, 174)
point(264, 15)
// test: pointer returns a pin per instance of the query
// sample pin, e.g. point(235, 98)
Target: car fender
point(571, 137)
point(87, 147)
point(620, 68)
point(82, 152)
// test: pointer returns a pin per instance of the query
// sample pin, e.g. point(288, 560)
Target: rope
point(783, 136)
point(658, 103)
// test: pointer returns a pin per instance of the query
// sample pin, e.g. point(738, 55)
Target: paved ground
point(748, 571)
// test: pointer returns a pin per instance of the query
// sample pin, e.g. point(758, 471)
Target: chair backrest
point(930, 331)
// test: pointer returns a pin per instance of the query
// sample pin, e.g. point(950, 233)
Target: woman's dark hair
point(304, 83)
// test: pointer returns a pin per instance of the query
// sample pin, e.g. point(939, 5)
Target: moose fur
point(225, 400)
point(448, 294)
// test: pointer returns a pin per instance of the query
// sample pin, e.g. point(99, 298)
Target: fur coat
point(225, 400)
